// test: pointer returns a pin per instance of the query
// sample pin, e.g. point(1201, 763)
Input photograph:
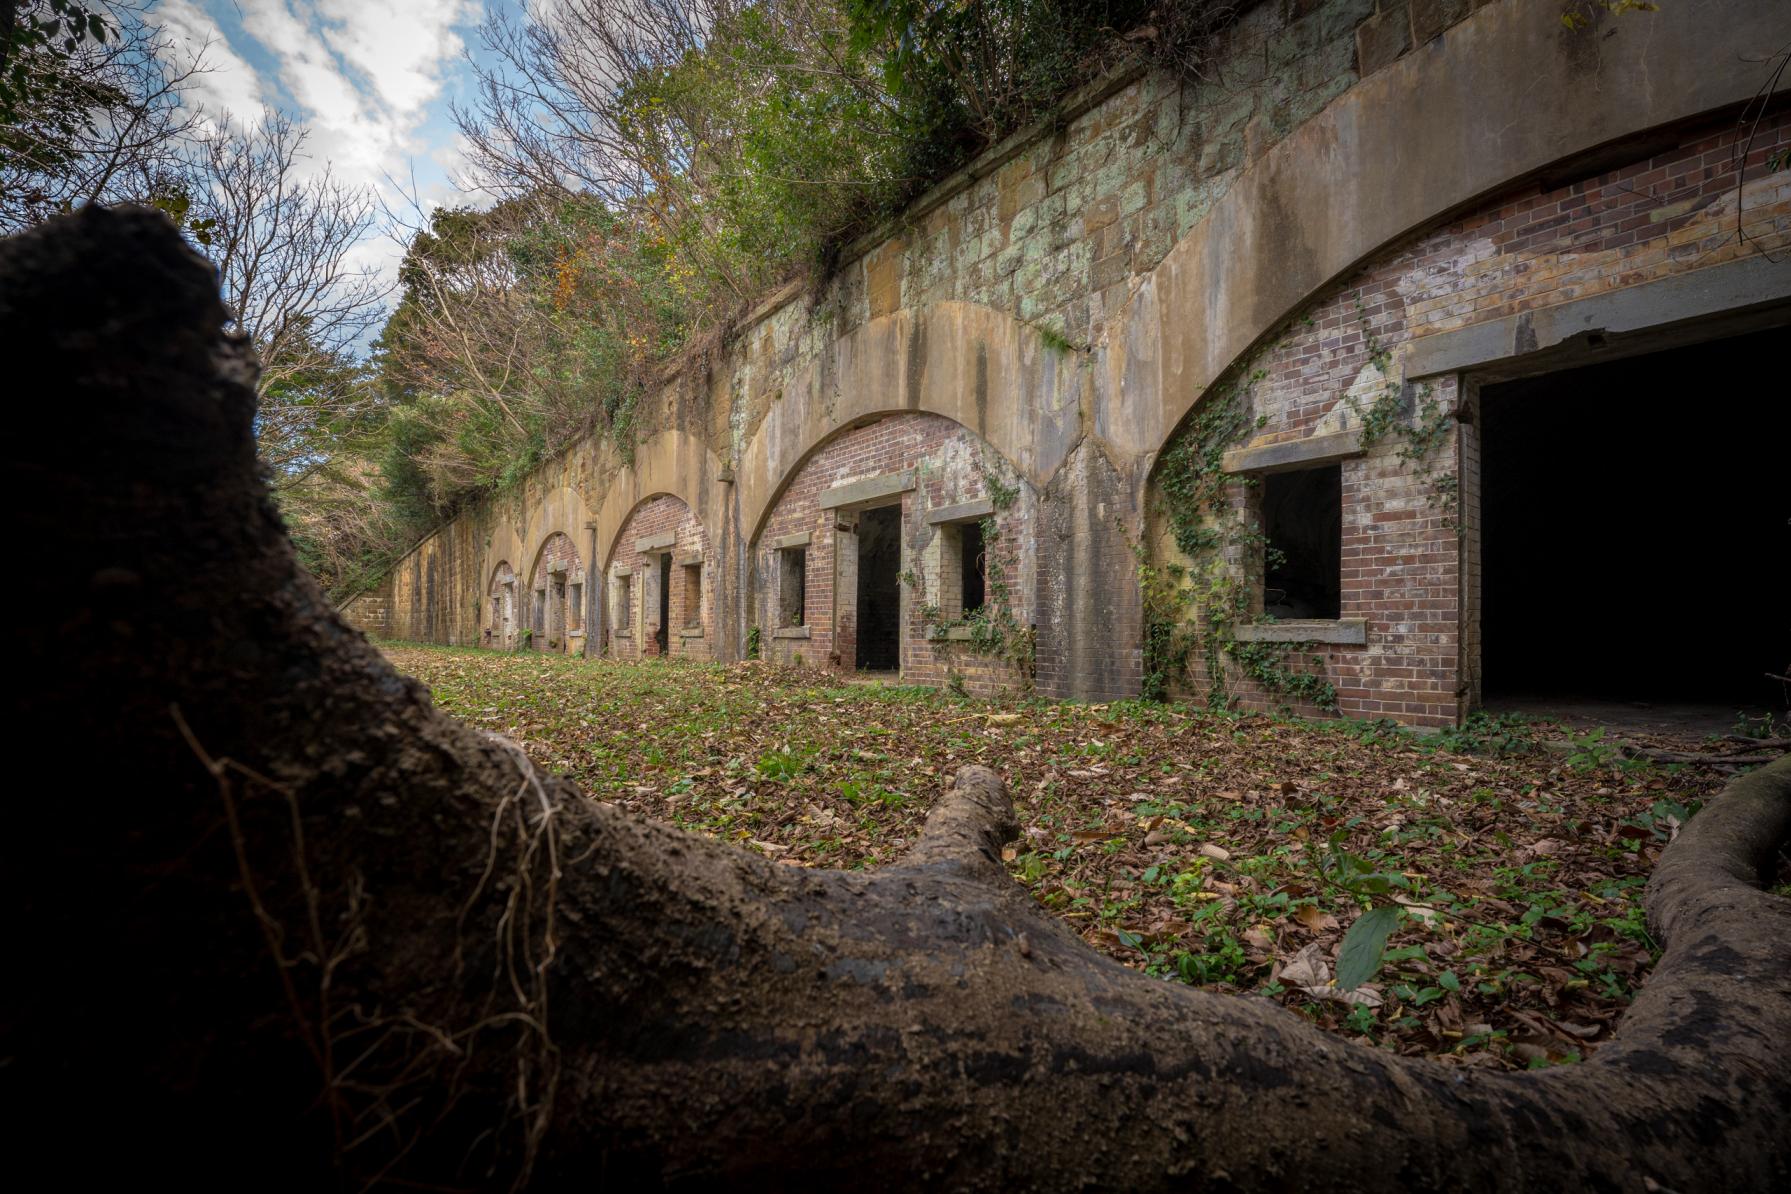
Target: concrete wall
point(1068, 300)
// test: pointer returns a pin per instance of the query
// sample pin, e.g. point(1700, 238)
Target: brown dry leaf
point(1307, 968)
point(1316, 919)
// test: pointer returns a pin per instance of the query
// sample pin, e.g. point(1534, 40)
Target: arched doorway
point(555, 594)
point(500, 608)
point(901, 548)
point(658, 597)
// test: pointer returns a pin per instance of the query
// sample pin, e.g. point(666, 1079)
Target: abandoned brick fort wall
point(1367, 211)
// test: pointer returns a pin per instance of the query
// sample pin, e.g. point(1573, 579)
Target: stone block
point(868, 490)
point(1383, 37)
point(1344, 632)
point(961, 512)
point(1431, 17)
point(1294, 453)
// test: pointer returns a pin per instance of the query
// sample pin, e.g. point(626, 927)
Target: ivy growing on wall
point(1192, 609)
point(995, 630)
point(1420, 435)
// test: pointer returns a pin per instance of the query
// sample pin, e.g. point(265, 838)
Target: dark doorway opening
point(1636, 530)
point(1302, 519)
point(879, 591)
point(663, 636)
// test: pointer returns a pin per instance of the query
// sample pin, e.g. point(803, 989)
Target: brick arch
point(1392, 156)
point(501, 616)
point(975, 365)
point(660, 581)
point(552, 600)
point(934, 474)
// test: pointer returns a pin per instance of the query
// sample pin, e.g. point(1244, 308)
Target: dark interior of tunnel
point(879, 594)
point(1637, 529)
point(1302, 518)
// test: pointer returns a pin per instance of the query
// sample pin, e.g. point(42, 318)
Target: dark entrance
point(663, 636)
point(1637, 531)
point(879, 592)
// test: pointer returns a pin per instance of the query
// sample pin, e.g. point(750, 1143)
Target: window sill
point(790, 632)
point(621, 634)
point(689, 632)
point(949, 634)
point(1341, 632)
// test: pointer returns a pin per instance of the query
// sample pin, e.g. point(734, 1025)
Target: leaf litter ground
point(1204, 848)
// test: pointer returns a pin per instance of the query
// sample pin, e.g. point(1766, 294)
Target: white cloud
point(226, 85)
point(363, 73)
point(362, 77)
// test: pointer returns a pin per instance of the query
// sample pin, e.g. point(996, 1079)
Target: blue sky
point(372, 80)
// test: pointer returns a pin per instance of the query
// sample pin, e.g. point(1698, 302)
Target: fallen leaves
point(1178, 841)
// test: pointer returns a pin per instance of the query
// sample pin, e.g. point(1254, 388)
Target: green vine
point(1192, 610)
point(994, 629)
point(1420, 436)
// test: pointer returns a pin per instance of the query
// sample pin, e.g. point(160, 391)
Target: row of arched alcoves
point(881, 542)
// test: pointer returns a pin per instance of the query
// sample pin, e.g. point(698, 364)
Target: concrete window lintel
point(869, 489)
point(1294, 453)
point(1747, 293)
point(787, 541)
point(689, 632)
point(1343, 632)
point(695, 557)
point(950, 634)
point(790, 632)
point(961, 512)
point(656, 542)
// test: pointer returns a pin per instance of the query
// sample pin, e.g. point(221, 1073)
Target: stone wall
point(1069, 300)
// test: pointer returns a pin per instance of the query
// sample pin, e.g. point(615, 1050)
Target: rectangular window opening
point(792, 586)
point(693, 595)
point(624, 603)
point(972, 567)
point(1302, 521)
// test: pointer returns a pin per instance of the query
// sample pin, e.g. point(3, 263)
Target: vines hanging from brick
point(995, 631)
point(1192, 609)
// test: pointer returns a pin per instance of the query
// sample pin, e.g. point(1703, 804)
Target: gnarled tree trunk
point(275, 919)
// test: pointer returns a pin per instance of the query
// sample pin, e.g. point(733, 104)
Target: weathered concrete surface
point(1293, 453)
point(868, 490)
point(972, 364)
point(1500, 96)
point(1733, 290)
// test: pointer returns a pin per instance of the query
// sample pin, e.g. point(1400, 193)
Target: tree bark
point(277, 919)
